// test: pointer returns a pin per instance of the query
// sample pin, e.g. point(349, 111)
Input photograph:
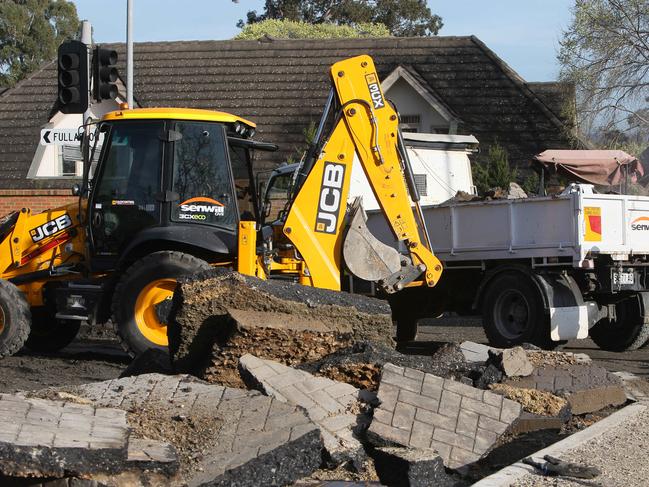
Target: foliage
point(531, 183)
point(289, 29)
point(403, 18)
point(495, 172)
point(30, 33)
point(605, 53)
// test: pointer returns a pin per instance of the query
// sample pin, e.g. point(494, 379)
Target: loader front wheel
point(15, 319)
point(145, 285)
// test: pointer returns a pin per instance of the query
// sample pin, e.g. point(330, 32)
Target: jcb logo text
point(50, 228)
point(330, 198)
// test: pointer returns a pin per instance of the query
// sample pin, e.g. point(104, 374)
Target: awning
point(602, 167)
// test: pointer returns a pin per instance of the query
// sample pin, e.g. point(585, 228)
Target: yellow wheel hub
point(146, 316)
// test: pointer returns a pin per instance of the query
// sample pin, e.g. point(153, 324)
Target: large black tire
point(15, 319)
point(627, 331)
point(49, 334)
point(513, 313)
point(148, 281)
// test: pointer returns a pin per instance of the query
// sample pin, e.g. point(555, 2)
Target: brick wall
point(38, 200)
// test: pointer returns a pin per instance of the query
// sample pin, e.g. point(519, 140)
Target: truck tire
point(627, 331)
point(513, 313)
point(15, 319)
point(146, 283)
point(49, 334)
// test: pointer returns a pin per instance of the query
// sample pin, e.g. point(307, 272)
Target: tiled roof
point(282, 86)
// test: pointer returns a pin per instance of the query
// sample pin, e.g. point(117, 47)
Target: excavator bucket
point(365, 256)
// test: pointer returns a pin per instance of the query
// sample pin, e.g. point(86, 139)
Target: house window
point(410, 123)
point(422, 184)
point(71, 160)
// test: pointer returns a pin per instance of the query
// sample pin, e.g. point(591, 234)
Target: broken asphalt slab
point(208, 305)
point(250, 439)
point(421, 410)
point(328, 403)
point(411, 467)
point(588, 388)
point(45, 438)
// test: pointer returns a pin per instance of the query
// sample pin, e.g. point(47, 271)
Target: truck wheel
point(144, 285)
point(627, 331)
point(49, 334)
point(15, 319)
point(512, 313)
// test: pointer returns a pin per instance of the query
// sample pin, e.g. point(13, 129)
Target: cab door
point(127, 188)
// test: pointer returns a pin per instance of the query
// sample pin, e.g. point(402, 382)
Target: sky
point(525, 33)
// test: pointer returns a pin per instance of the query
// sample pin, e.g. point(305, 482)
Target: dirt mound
point(532, 400)
point(288, 347)
point(214, 307)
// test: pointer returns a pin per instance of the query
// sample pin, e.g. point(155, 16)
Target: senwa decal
point(199, 208)
point(638, 225)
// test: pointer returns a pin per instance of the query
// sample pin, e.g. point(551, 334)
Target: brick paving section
point(50, 437)
point(421, 410)
point(587, 388)
point(327, 402)
point(39, 422)
point(252, 425)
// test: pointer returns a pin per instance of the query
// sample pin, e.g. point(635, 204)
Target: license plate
point(623, 278)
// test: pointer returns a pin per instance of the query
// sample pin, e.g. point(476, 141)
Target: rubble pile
point(220, 315)
point(302, 385)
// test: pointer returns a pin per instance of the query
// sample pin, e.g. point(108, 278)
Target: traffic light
point(104, 74)
point(73, 77)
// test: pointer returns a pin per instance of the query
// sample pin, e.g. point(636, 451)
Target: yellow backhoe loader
point(166, 196)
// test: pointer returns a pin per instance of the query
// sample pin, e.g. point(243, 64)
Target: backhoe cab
point(171, 192)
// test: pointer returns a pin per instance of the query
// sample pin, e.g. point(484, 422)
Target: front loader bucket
point(365, 256)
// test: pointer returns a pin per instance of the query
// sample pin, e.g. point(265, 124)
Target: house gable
point(414, 98)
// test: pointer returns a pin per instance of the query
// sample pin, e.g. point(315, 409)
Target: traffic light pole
point(129, 53)
point(86, 38)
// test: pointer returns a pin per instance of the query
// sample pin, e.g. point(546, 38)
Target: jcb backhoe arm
point(366, 125)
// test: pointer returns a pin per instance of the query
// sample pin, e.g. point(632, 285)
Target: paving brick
point(465, 425)
point(467, 422)
point(326, 402)
point(418, 400)
point(404, 415)
point(476, 352)
point(421, 435)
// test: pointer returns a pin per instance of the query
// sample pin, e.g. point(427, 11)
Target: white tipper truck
point(540, 270)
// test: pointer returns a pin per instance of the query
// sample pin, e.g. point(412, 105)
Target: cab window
point(202, 177)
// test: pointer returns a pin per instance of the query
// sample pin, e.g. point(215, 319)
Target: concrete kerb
point(508, 475)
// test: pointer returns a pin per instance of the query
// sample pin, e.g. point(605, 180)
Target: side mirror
point(76, 190)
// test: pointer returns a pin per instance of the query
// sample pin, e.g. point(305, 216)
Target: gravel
point(619, 453)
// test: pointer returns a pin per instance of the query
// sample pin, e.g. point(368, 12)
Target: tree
point(605, 52)
point(289, 29)
point(403, 18)
point(495, 172)
point(30, 33)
